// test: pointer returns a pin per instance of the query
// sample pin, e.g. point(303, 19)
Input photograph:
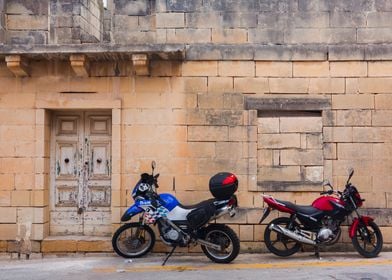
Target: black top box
point(223, 185)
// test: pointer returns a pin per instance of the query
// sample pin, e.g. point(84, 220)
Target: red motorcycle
point(319, 224)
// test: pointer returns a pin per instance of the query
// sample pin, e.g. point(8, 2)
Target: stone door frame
point(43, 122)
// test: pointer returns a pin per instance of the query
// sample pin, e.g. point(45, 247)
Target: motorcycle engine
point(328, 231)
point(170, 235)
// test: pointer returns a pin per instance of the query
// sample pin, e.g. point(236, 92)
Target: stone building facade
point(283, 93)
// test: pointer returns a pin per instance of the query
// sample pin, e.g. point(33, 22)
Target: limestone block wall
point(190, 118)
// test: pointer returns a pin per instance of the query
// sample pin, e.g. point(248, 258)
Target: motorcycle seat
point(308, 210)
point(198, 205)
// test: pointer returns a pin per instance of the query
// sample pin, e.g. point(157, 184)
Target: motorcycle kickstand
point(317, 252)
point(169, 255)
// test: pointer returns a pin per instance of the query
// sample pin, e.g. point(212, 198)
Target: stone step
point(67, 244)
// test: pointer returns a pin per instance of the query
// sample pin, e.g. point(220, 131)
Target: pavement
point(110, 263)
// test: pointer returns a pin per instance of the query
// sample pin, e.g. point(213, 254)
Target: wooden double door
point(81, 173)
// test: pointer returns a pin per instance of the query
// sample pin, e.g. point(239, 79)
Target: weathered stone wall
point(190, 117)
point(252, 21)
point(214, 21)
point(253, 74)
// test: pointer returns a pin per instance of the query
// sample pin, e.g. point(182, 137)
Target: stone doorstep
point(69, 244)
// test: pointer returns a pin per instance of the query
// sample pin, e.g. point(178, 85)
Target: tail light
point(233, 201)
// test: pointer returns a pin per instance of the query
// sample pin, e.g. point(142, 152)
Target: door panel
point(81, 173)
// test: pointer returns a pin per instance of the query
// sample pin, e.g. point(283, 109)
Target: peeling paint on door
point(81, 173)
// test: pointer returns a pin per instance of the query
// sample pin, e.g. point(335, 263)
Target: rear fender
point(272, 203)
point(131, 211)
point(353, 228)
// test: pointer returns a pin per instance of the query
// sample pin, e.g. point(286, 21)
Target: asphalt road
point(190, 267)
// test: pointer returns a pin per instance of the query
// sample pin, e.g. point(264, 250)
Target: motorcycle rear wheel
point(221, 235)
point(133, 240)
point(279, 244)
point(368, 246)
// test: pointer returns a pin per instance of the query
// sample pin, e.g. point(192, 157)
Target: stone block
point(246, 232)
point(330, 151)
point(383, 101)
point(202, 68)
point(274, 69)
point(207, 133)
point(264, 157)
point(353, 101)
point(125, 22)
point(183, 6)
point(279, 141)
point(321, 36)
point(7, 181)
point(381, 118)
point(236, 68)
point(219, 51)
point(311, 69)
point(346, 52)
point(301, 124)
point(310, 20)
point(5, 198)
point(374, 35)
point(268, 125)
point(189, 35)
point(8, 231)
point(239, 133)
point(21, 198)
point(349, 69)
point(348, 19)
point(229, 36)
point(251, 85)
point(354, 117)
point(210, 101)
point(379, 19)
point(265, 36)
point(134, 8)
point(27, 7)
point(18, 165)
point(24, 181)
point(27, 22)
point(355, 150)
point(162, 68)
point(314, 174)
point(301, 157)
point(152, 85)
point(220, 84)
point(338, 134)
point(380, 68)
point(7, 215)
point(170, 20)
point(198, 20)
point(189, 84)
point(289, 85)
point(239, 20)
point(94, 246)
point(372, 134)
point(280, 174)
point(55, 246)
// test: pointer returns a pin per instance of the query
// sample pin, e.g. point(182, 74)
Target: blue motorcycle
point(179, 225)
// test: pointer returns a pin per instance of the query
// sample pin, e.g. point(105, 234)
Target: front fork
point(362, 220)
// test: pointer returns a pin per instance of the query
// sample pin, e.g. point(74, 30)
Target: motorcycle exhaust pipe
point(209, 244)
point(291, 234)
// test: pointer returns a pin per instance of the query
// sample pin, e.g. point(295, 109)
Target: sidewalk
point(196, 266)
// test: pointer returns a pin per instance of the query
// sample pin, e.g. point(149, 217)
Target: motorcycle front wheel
point(368, 240)
point(133, 240)
point(225, 237)
point(278, 243)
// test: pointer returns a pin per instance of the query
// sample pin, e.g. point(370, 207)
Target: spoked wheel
point(278, 243)
point(133, 240)
point(225, 237)
point(368, 240)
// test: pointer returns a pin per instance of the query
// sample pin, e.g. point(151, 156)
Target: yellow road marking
point(234, 266)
